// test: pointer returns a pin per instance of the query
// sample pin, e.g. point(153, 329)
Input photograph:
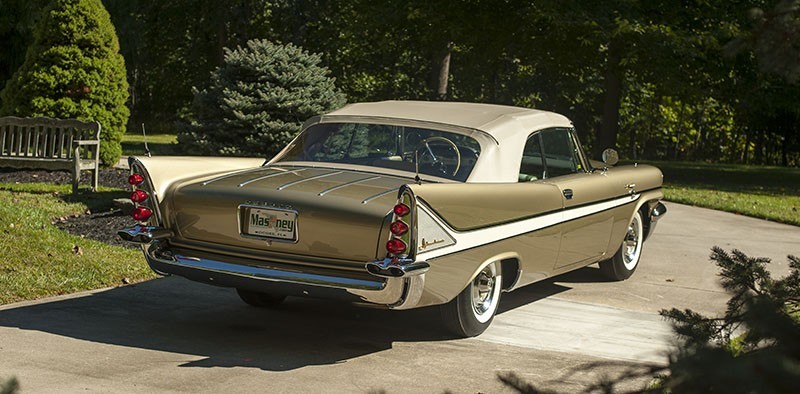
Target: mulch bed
point(100, 226)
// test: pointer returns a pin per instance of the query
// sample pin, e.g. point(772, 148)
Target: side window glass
point(532, 167)
point(559, 153)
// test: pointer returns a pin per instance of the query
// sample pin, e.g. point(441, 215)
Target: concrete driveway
point(171, 335)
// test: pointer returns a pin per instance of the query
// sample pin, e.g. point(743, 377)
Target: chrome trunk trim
point(337, 187)
point(229, 175)
point(311, 178)
point(381, 194)
point(280, 172)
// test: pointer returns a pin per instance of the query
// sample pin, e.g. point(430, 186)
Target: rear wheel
point(625, 261)
point(260, 300)
point(473, 310)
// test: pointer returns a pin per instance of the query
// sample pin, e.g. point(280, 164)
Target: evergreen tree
point(257, 101)
point(753, 348)
point(73, 69)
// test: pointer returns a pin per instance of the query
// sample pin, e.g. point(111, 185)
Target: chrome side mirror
point(610, 157)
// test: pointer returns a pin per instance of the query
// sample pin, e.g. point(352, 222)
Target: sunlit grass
point(159, 144)
point(40, 260)
point(771, 193)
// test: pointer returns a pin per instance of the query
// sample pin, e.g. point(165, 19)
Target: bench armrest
point(85, 142)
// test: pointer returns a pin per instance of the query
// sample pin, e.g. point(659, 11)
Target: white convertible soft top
point(499, 121)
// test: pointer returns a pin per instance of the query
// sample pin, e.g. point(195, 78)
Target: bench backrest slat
point(51, 144)
point(45, 138)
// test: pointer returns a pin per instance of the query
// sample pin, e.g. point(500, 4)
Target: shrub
point(257, 100)
point(9, 387)
point(73, 69)
point(753, 348)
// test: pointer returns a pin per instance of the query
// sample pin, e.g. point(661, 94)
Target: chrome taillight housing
point(401, 243)
point(145, 206)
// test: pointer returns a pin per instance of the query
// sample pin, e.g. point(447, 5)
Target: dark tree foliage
point(171, 46)
point(17, 19)
point(73, 69)
point(705, 80)
point(753, 348)
point(775, 39)
point(258, 100)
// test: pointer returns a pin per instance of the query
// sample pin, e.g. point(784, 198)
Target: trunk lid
point(339, 213)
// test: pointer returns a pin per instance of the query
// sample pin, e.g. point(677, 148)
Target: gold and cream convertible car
point(401, 204)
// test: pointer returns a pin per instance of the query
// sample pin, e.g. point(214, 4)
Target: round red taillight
point(138, 196)
point(135, 179)
point(398, 228)
point(396, 246)
point(401, 209)
point(141, 213)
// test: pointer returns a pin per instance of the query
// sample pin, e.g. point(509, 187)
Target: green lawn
point(159, 144)
point(40, 260)
point(771, 193)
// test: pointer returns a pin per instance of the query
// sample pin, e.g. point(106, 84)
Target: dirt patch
point(111, 177)
point(101, 225)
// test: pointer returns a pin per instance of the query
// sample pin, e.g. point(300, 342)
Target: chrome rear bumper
point(230, 271)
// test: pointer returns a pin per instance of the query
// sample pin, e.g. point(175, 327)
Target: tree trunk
point(784, 154)
point(700, 141)
point(746, 150)
point(758, 156)
point(607, 134)
point(441, 73)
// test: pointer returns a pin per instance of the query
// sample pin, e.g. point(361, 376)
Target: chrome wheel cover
point(485, 289)
point(632, 245)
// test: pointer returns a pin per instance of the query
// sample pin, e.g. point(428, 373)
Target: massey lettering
point(283, 224)
point(271, 221)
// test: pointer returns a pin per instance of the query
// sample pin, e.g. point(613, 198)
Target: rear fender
point(164, 171)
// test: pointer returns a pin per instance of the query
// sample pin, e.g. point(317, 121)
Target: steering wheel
point(426, 144)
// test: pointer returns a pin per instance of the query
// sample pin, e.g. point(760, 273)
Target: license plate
point(270, 223)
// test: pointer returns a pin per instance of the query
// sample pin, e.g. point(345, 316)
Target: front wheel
point(260, 300)
point(625, 261)
point(472, 311)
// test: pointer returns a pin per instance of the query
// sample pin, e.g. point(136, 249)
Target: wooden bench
point(51, 144)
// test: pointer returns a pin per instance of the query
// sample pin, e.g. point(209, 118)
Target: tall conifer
point(257, 101)
point(73, 69)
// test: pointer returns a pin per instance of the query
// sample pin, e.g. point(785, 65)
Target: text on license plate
point(270, 223)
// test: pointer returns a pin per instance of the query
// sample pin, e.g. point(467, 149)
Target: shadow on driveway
point(179, 316)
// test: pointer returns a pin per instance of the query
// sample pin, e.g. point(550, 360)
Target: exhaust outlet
point(396, 268)
point(144, 234)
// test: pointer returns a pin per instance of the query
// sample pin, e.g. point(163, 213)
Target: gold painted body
point(344, 211)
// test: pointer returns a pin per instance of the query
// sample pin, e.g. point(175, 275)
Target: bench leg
point(96, 181)
point(76, 172)
point(76, 177)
